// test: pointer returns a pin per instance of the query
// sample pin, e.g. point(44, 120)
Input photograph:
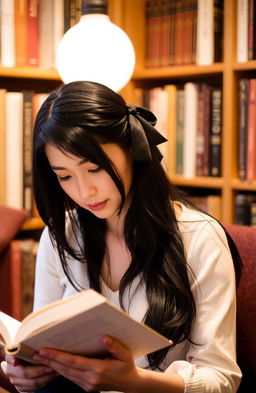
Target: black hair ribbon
point(143, 132)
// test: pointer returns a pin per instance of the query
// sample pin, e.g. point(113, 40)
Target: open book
point(76, 325)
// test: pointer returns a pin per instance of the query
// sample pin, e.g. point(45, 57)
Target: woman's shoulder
point(194, 223)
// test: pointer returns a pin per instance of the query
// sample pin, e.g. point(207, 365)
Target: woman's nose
point(86, 190)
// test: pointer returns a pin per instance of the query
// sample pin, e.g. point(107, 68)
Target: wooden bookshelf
point(227, 72)
point(44, 80)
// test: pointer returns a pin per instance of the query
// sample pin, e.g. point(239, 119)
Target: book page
point(82, 334)
point(57, 311)
point(8, 327)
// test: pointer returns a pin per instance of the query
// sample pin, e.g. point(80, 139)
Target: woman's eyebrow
point(62, 168)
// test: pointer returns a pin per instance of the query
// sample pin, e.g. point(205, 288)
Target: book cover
point(190, 129)
point(2, 148)
point(218, 30)
point(250, 29)
point(242, 30)
point(14, 149)
point(216, 132)
point(171, 91)
point(205, 32)
point(242, 127)
point(58, 24)
point(62, 325)
point(21, 32)
point(251, 133)
point(10, 280)
point(179, 131)
point(7, 33)
point(46, 48)
point(33, 32)
point(27, 150)
point(202, 147)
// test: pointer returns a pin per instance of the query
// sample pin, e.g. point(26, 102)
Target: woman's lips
point(97, 206)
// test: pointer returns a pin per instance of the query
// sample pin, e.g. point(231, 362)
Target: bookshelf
point(42, 80)
point(228, 72)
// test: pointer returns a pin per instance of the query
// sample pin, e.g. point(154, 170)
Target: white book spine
point(7, 33)
point(46, 44)
point(190, 128)
point(58, 23)
point(242, 30)
point(205, 33)
point(14, 149)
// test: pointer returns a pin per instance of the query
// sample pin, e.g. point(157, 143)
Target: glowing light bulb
point(97, 50)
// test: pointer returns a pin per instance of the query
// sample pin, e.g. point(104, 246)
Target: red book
point(251, 134)
point(33, 32)
point(10, 280)
point(21, 35)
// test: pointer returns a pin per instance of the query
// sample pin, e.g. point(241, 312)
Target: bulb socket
point(95, 7)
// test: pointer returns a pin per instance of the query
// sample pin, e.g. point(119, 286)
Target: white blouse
point(210, 366)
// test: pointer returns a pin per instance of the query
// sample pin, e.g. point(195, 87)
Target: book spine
point(242, 127)
point(250, 29)
point(216, 132)
point(46, 56)
point(28, 258)
point(33, 32)
point(194, 31)
point(190, 126)
point(242, 210)
point(66, 15)
point(218, 30)
point(165, 34)
point(171, 126)
point(172, 33)
point(251, 137)
point(179, 132)
point(242, 30)
point(178, 33)
point(27, 150)
point(7, 33)
point(14, 143)
point(200, 134)
point(207, 116)
point(15, 262)
point(58, 24)
point(2, 148)
point(21, 34)
point(205, 34)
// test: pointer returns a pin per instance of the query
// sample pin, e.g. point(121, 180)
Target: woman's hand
point(117, 372)
point(25, 377)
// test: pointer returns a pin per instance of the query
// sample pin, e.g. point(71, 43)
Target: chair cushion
point(245, 240)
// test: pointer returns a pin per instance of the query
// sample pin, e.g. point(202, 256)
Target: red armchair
point(245, 239)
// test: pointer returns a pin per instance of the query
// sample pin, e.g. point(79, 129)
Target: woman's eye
point(94, 170)
point(63, 178)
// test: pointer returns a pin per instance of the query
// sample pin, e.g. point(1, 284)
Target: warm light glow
point(96, 50)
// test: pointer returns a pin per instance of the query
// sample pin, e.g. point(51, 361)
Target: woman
point(116, 224)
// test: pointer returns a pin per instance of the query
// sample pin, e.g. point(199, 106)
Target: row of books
point(17, 277)
point(183, 32)
point(245, 209)
point(190, 116)
point(17, 114)
point(246, 30)
point(247, 129)
point(30, 30)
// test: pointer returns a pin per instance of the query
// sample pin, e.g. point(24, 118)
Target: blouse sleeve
point(210, 365)
point(48, 285)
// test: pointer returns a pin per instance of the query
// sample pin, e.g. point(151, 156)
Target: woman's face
point(87, 184)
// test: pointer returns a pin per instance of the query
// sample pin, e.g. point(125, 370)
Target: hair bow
point(143, 133)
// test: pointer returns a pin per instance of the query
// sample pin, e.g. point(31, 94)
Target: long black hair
point(77, 118)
